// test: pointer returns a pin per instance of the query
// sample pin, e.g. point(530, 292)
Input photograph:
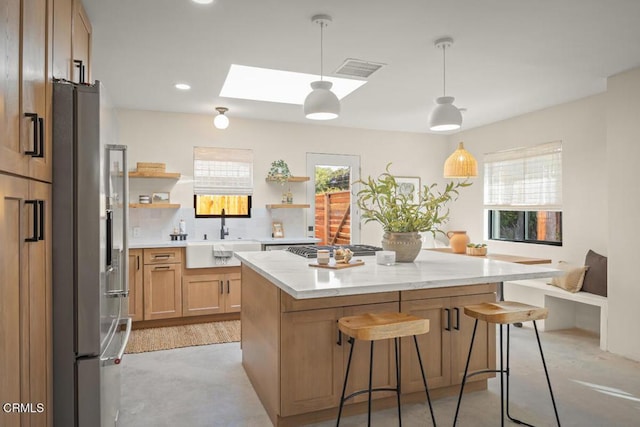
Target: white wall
point(170, 138)
point(623, 151)
point(580, 125)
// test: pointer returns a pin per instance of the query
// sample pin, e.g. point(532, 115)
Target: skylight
point(264, 84)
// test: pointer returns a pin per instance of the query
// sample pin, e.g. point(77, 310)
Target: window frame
point(226, 215)
point(492, 212)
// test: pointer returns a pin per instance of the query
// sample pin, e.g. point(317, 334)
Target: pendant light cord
point(444, 71)
point(321, 47)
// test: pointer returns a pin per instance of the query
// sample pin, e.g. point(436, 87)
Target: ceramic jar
point(458, 241)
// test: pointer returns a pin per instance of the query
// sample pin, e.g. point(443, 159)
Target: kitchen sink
point(218, 253)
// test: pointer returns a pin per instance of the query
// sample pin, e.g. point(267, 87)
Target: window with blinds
point(523, 193)
point(223, 179)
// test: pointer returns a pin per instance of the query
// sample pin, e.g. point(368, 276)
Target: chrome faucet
point(224, 231)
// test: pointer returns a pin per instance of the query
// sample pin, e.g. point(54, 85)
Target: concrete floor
point(206, 386)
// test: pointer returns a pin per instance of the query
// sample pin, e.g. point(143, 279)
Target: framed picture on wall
point(409, 185)
point(277, 230)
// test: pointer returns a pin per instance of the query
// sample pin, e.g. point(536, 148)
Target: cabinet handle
point(448, 319)
point(339, 336)
point(162, 256)
point(228, 287)
point(40, 149)
point(457, 327)
point(162, 267)
point(138, 261)
point(41, 211)
point(34, 236)
point(221, 286)
point(34, 121)
point(79, 65)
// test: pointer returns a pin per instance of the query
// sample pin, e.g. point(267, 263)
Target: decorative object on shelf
point(476, 249)
point(458, 241)
point(277, 229)
point(160, 197)
point(144, 199)
point(445, 116)
point(279, 172)
point(289, 197)
point(150, 167)
point(221, 121)
point(460, 164)
point(382, 200)
point(321, 103)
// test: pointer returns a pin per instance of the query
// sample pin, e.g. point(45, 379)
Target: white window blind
point(222, 171)
point(524, 178)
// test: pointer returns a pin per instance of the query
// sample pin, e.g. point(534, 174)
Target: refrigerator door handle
point(109, 239)
point(117, 358)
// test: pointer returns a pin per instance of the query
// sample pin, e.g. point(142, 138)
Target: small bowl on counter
point(476, 251)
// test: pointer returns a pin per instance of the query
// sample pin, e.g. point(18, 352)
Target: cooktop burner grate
point(311, 251)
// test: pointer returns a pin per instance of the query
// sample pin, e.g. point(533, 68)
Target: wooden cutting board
point(338, 266)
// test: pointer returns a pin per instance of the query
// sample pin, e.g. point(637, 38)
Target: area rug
point(153, 339)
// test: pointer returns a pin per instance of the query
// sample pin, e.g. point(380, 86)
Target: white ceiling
point(509, 56)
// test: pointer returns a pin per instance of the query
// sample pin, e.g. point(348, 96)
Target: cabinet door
point(434, 346)
point(232, 295)
point(384, 365)
point(311, 361)
point(12, 158)
point(62, 18)
point(484, 347)
point(162, 291)
point(135, 285)
point(14, 296)
point(33, 89)
point(203, 294)
point(25, 298)
point(81, 44)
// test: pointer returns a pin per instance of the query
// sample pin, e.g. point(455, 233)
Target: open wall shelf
point(154, 206)
point(291, 179)
point(287, 206)
point(165, 175)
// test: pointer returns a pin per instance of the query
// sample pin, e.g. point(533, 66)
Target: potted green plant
point(279, 171)
point(401, 217)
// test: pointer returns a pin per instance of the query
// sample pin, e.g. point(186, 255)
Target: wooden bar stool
point(381, 326)
point(505, 313)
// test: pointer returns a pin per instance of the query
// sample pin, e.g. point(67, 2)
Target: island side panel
point(260, 318)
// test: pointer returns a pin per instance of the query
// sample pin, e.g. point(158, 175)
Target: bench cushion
point(572, 278)
point(595, 279)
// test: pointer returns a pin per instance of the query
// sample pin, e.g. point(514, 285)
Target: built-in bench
point(566, 309)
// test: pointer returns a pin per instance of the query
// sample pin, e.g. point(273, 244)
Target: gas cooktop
point(310, 251)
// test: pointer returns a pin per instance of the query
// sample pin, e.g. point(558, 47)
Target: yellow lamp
point(460, 164)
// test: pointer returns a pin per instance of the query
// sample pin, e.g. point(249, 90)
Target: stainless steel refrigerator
point(90, 274)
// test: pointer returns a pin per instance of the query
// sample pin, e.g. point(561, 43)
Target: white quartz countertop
point(292, 273)
point(183, 243)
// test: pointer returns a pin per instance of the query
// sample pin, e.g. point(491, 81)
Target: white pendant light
point(321, 103)
point(221, 121)
point(445, 116)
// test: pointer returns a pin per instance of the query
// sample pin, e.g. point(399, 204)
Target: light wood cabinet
point(25, 146)
point(62, 18)
point(450, 333)
point(81, 44)
point(318, 343)
point(162, 280)
point(210, 293)
point(136, 306)
point(25, 298)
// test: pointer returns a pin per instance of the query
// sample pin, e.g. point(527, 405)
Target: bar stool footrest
point(487, 371)
point(366, 390)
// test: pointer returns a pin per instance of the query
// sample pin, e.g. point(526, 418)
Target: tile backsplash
point(151, 225)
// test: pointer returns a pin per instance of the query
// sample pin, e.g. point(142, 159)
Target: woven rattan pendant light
point(460, 164)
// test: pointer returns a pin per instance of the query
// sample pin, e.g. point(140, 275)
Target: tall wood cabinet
point(25, 299)
point(30, 52)
point(71, 42)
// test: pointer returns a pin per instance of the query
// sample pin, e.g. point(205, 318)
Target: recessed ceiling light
point(202, 1)
point(182, 86)
point(288, 87)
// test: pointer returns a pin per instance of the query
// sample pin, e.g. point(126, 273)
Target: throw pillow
point(572, 278)
point(595, 281)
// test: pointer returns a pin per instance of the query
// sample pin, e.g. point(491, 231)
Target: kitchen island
point(295, 356)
